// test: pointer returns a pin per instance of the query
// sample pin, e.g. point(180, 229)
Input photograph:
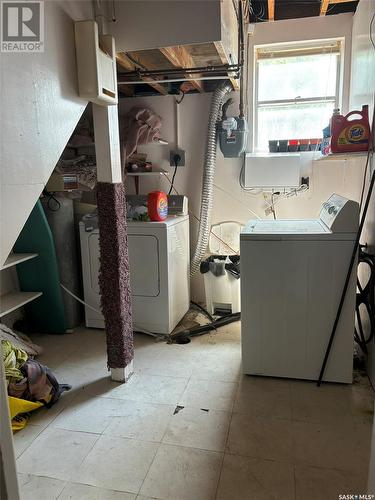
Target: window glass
point(296, 121)
point(300, 76)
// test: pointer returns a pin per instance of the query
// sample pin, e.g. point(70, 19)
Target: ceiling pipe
point(174, 71)
point(174, 80)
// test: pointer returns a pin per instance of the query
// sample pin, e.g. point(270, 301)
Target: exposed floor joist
point(180, 58)
point(125, 63)
point(325, 4)
point(224, 60)
point(324, 7)
point(271, 10)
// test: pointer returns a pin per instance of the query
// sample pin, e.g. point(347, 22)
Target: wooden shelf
point(342, 156)
point(12, 301)
point(17, 258)
point(153, 172)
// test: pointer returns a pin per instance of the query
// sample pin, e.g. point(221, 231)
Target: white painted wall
point(231, 203)
point(362, 87)
point(298, 30)
point(40, 108)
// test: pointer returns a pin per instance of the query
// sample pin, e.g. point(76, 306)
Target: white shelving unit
point(17, 258)
point(12, 301)
point(152, 172)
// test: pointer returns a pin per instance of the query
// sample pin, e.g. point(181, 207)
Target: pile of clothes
point(30, 384)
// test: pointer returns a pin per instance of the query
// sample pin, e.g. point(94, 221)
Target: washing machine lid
point(286, 229)
point(169, 221)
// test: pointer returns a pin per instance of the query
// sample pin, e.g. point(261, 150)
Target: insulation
point(114, 276)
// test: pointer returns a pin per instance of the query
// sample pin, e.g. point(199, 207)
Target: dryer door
point(144, 265)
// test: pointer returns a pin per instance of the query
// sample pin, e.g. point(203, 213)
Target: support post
point(114, 278)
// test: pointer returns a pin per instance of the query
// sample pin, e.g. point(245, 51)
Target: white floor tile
point(56, 453)
point(260, 437)
point(209, 394)
point(166, 360)
point(39, 488)
point(44, 416)
point(149, 389)
point(23, 438)
point(263, 396)
point(221, 362)
point(183, 474)
point(138, 420)
point(90, 414)
point(275, 424)
point(75, 491)
point(250, 478)
point(339, 445)
point(117, 463)
point(198, 429)
point(361, 401)
point(313, 483)
point(78, 375)
point(327, 403)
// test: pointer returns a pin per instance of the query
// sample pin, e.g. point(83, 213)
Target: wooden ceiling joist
point(325, 4)
point(128, 65)
point(224, 60)
point(180, 57)
point(271, 10)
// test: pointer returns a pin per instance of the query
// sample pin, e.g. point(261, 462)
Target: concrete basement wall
point(230, 202)
point(40, 108)
point(362, 87)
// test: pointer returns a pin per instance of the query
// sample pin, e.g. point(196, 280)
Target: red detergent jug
point(157, 206)
point(350, 135)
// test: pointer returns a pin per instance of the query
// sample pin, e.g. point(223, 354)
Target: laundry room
point(187, 289)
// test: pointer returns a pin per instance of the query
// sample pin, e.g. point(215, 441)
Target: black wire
point(182, 97)
point(203, 310)
point(51, 196)
point(201, 329)
point(364, 180)
point(272, 206)
point(365, 297)
point(172, 181)
point(371, 39)
point(348, 276)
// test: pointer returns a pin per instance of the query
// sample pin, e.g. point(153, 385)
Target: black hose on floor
point(202, 310)
point(184, 336)
point(365, 301)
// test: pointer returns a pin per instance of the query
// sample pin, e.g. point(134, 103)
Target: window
point(296, 90)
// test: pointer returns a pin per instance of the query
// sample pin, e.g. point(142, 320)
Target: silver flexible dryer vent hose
point(208, 176)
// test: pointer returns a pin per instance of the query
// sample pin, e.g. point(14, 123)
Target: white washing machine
point(159, 272)
point(292, 276)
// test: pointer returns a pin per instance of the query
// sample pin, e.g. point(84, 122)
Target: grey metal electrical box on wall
point(233, 136)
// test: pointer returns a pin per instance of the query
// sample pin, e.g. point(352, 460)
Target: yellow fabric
point(17, 408)
point(19, 422)
point(13, 359)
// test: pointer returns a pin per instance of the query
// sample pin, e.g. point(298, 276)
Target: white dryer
point(159, 272)
point(292, 276)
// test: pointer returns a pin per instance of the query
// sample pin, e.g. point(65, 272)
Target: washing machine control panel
point(340, 214)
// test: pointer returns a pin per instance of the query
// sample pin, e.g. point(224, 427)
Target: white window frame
point(295, 48)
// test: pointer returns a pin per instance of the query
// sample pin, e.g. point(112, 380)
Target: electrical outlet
point(306, 181)
point(181, 159)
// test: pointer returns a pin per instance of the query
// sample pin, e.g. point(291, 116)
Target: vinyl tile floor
point(189, 426)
